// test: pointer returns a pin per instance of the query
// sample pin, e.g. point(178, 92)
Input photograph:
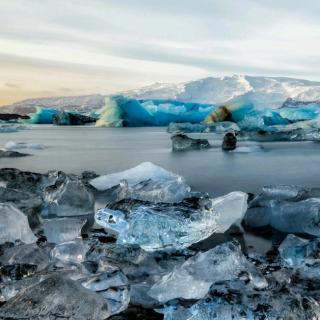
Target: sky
point(75, 47)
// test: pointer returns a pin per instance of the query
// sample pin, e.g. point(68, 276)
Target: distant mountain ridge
point(265, 91)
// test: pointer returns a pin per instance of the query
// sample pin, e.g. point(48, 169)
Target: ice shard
point(62, 229)
point(56, 297)
point(14, 225)
point(193, 279)
point(181, 142)
point(166, 226)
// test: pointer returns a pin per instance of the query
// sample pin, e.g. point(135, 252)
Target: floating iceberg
point(42, 116)
point(125, 112)
point(64, 118)
point(14, 225)
point(163, 226)
point(181, 142)
point(23, 145)
point(193, 279)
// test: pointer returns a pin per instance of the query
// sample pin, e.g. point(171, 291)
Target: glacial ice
point(14, 225)
point(286, 216)
point(193, 279)
point(172, 226)
point(64, 118)
point(23, 145)
point(69, 253)
point(42, 116)
point(181, 142)
point(56, 297)
point(62, 229)
point(142, 172)
point(125, 112)
point(68, 197)
point(112, 286)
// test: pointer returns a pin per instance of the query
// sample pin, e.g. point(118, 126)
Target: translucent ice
point(71, 252)
point(23, 145)
point(160, 226)
point(56, 297)
point(194, 277)
point(69, 197)
point(181, 142)
point(112, 286)
point(62, 229)
point(42, 116)
point(286, 216)
point(14, 225)
point(143, 171)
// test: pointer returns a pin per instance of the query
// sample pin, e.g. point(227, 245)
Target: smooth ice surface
point(143, 171)
point(56, 297)
point(194, 277)
point(156, 227)
point(69, 198)
point(14, 225)
point(62, 229)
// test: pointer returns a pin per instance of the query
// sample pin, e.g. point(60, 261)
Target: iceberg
point(170, 226)
point(64, 118)
point(14, 225)
point(193, 279)
point(56, 297)
point(42, 116)
point(120, 111)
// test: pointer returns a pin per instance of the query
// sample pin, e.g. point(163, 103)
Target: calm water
point(75, 149)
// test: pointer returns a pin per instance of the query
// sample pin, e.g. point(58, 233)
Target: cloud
point(12, 85)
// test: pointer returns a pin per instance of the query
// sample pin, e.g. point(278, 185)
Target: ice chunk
point(14, 225)
point(296, 252)
point(26, 254)
point(143, 171)
point(12, 154)
point(181, 142)
point(71, 252)
point(23, 145)
point(112, 286)
point(161, 226)
point(186, 127)
point(62, 229)
point(68, 197)
point(289, 217)
point(56, 297)
point(194, 277)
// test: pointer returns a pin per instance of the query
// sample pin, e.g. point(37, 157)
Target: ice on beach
point(69, 253)
point(23, 145)
point(67, 198)
point(56, 297)
point(113, 286)
point(142, 172)
point(14, 225)
point(164, 226)
point(193, 279)
point(62, 229)
point(287, 216)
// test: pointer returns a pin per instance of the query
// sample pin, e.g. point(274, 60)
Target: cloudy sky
point(58, 47)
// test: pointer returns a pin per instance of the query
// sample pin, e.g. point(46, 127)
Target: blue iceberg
point(42, 116)
point(125, 112)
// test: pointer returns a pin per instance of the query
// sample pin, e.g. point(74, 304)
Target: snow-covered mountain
point(266, 91)
point(269, 92)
